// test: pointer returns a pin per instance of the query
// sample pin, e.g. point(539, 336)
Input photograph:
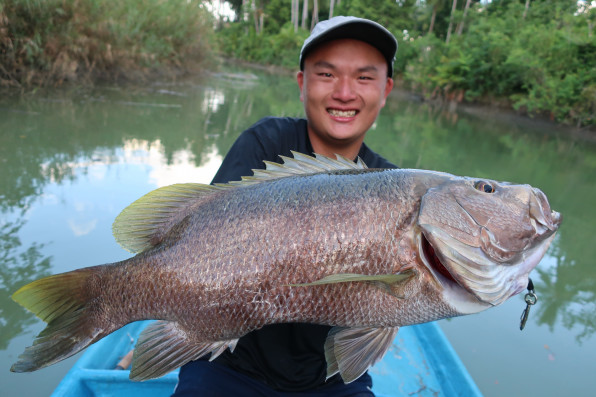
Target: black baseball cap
point(342, 27)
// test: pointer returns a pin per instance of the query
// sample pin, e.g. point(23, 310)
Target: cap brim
point(369, 32)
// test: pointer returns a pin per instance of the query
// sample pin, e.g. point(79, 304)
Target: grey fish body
point(347, 248)
point(289, 239)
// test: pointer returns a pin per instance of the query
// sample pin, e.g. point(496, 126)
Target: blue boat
point(421, 362)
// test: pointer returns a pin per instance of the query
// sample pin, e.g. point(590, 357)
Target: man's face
point(343, 87)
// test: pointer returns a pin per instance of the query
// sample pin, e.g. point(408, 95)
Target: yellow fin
point(389, 279)
point(391, 283)
point(351, 351)
point(61, 301)
point(143, 223)
point(164, 346)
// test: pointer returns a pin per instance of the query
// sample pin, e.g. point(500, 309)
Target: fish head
point(484, 237)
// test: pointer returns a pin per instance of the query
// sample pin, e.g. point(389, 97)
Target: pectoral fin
point(392, 283)
point(351, 351)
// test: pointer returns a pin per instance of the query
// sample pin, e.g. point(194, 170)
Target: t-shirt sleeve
point(246, 154)
point(267, 139)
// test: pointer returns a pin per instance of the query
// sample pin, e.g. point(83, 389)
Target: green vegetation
point(47, 42)
point(537, 56)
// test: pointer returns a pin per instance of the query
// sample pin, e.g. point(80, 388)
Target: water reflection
point(18, 265)
point(118, 144)
point(572, 302)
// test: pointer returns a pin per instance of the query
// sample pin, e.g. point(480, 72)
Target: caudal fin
point(63, 303)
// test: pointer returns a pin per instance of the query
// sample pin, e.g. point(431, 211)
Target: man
point(346, 68)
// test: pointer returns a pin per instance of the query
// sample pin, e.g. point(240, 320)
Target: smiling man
point(346, 69)
point(343, 85)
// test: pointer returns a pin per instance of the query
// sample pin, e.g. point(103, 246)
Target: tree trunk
point(526, 10)
point(331, 4)
point(315, 14)
point(294, 14)
point(255, 17)
point(261, 21)
point(460, 26)
point(245, 11)
point(451, 21)
point(432, 20)
point(304, 14)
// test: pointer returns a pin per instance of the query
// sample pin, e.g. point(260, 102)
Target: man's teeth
point(342, 113)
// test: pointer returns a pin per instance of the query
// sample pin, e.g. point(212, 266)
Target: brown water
point(72, 159)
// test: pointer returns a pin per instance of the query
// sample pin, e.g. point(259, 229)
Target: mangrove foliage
point(537, 56)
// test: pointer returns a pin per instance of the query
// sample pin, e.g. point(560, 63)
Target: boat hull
point(421, 362)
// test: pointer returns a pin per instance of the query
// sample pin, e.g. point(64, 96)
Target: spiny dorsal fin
point(143, 223)
point(301, 164)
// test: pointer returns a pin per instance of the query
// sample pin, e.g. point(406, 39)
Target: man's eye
point(365, 78)
point(325, 74)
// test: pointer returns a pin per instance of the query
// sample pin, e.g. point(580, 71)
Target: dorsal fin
point(299, 165)
point(144, 223)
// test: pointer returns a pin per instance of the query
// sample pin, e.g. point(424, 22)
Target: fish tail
point(63, 302)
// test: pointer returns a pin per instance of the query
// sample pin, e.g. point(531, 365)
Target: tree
point(460, 25)
point(526, 9)
point(436, 6)
point(295, 7)
point(304, 14)
point(451, 21)
point(315, 14)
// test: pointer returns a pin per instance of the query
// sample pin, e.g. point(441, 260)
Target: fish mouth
point(454, 263)
point(432, 261)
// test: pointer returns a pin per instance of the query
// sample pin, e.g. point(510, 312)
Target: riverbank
point(56, 42)
point(52, 42)
point(486, 106)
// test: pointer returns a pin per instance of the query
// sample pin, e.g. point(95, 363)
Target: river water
point(72, 159)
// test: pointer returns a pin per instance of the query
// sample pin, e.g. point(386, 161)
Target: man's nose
point(344, 90)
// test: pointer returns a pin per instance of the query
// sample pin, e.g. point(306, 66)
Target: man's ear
point(388, 88)
point(300, 80)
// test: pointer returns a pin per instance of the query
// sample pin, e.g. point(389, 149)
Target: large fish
point(313, 240)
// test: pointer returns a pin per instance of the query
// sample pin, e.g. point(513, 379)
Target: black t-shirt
point(288, 357)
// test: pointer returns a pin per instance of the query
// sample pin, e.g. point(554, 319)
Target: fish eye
point(484, 187)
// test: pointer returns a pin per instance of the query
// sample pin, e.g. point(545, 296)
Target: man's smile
point(342, 113)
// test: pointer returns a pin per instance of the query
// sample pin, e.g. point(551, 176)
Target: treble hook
point(531, 298)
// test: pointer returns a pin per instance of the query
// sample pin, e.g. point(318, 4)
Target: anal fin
point(351, 351)
point(163, 346)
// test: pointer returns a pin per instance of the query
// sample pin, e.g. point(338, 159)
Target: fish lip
point(545, 220)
